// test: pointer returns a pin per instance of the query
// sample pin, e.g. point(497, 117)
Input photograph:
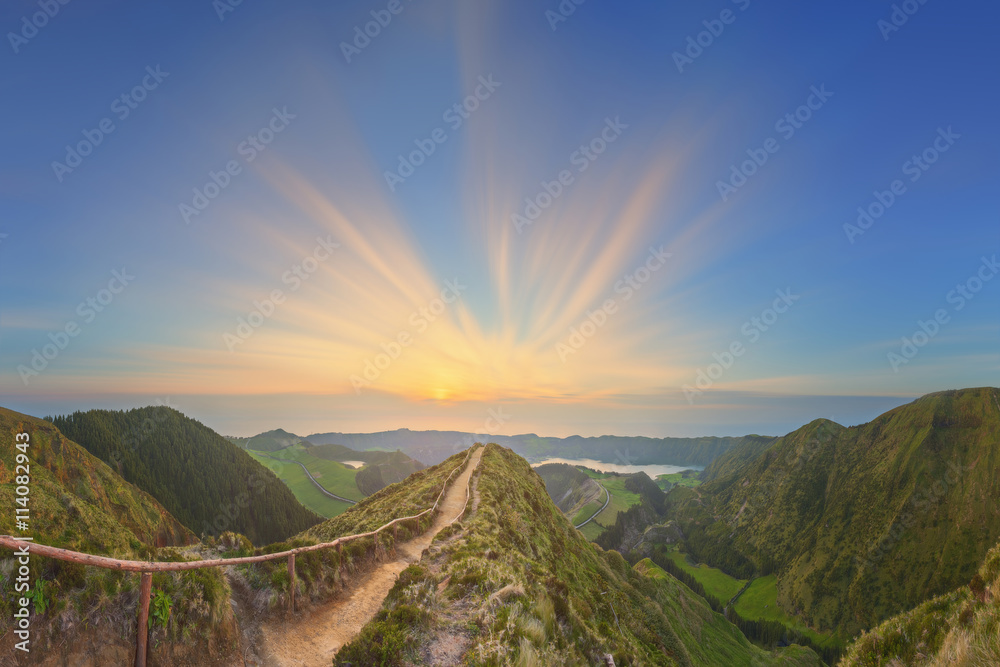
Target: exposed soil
point(313, 639)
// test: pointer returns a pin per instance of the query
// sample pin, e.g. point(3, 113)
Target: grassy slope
point(76, 500)
point(535, 592)
point(960, 628)
point(919, 480)
point(304, 490)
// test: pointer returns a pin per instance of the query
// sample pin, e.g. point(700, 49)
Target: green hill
point(518, 585)
point(270, 441)
point(858, 523)
point(75, 500)
point(205, 481)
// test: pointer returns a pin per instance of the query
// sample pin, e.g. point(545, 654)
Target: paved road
point(318, 485)
point(598, 511)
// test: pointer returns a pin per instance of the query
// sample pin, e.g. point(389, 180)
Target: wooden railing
point(147, 568)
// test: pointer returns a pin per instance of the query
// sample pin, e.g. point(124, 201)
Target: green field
point(588, 510)
point(334, 476)
point(304, 490)
point(717, 583)
point(760, 602)
point(666, 482)
point(621, 499)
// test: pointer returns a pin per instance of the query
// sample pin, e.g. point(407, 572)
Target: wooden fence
point(148, 568)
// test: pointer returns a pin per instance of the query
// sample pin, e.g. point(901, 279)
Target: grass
point(667, 482)
point(407, 498)
point(588, 510)
point(333, 475)
point(716, 582)
point(304, 490)
point(957, 629)
point(760, 602)
point(592, 530)
point(621, 498)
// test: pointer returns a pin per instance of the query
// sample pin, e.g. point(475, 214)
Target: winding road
point(598, 511)
point(313, 479)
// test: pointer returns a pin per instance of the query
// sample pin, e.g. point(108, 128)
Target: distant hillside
point(736, 457)
point(864, 522)
point(434, 446)
point(521, 586)
point(390, 468)
point(76, 501)
point(209, 484)
point(269, 441)
point(381, 468)
point(568, 487)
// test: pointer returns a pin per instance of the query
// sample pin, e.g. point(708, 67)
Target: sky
point(642, 218)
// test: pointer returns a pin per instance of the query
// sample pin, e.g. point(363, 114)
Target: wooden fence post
point(291, 582)
point(142, 631)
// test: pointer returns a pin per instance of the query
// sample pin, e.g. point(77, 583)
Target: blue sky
point(519, 334)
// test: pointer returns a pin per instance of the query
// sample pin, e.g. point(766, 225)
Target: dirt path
point(315, 638)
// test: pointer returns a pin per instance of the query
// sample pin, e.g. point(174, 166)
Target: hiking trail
point(313, 639)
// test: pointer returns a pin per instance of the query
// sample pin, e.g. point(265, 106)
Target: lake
point(652, 469)
point(354, 464)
